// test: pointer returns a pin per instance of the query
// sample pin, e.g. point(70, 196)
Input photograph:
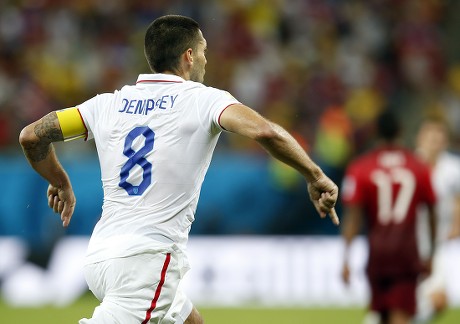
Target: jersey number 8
point(137, 158)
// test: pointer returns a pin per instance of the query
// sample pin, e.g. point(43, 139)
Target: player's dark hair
point(388, 127)
point(167, 38)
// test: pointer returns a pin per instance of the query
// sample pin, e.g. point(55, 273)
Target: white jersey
point(155, 142)
point(445, 177)
point(446, 183)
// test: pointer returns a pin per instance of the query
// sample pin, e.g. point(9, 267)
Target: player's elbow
point(266, 132)
point(27, 136)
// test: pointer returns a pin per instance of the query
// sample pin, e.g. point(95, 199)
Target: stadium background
point(322, 69)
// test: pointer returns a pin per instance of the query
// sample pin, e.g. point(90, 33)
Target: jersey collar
point(158, 78)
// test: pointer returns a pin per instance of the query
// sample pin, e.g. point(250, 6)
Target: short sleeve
point(91, 111)
point(211, 103)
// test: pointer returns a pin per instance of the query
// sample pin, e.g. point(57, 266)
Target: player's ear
point(188, 54)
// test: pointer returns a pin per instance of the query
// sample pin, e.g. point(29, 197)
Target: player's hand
point(324, 193)
point(62, 201)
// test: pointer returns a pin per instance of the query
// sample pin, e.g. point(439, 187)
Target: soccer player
point(383, 189)
point(155, 141)
point(432, 146)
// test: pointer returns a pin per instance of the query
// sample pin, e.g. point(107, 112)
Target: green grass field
point(85, 306)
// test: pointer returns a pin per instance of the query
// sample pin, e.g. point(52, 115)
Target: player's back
point(152, 146)
point(390, 184)
point(155, 142)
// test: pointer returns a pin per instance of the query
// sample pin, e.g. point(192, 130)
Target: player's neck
point(430, 158)
point(185, 76)
point(389, 143)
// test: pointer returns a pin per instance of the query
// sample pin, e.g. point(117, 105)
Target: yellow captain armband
point(71, 122)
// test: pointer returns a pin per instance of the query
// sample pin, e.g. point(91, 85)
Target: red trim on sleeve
point(153, 305)
point(86, 128)
point(218, 119)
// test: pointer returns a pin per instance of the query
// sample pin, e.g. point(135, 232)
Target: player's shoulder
point(450, 158)
point(410, 160)
point(207, 93)
point(125, 92)
point(358, 167)
point(414, 159)
point(364, 159)
point(128, 88)
point(450, 163)
point(200, 87)
point(379, 157)
point(99, 100)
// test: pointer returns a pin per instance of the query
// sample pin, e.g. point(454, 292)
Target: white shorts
point(143, 288)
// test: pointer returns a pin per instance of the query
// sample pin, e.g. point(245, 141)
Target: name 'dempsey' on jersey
point(144, 106)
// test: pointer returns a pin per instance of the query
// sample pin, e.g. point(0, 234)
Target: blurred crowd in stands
point(321, 68)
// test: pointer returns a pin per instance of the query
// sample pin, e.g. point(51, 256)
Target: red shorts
point(393, 293)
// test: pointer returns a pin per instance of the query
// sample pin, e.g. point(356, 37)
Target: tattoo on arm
point(47, 130)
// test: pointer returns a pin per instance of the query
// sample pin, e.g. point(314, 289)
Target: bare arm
point(353, 221)
point(280, 144)
point(36, 141)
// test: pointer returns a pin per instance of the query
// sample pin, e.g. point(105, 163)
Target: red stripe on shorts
point(148, 314)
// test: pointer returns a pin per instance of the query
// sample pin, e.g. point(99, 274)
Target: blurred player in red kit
point(383, 190)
